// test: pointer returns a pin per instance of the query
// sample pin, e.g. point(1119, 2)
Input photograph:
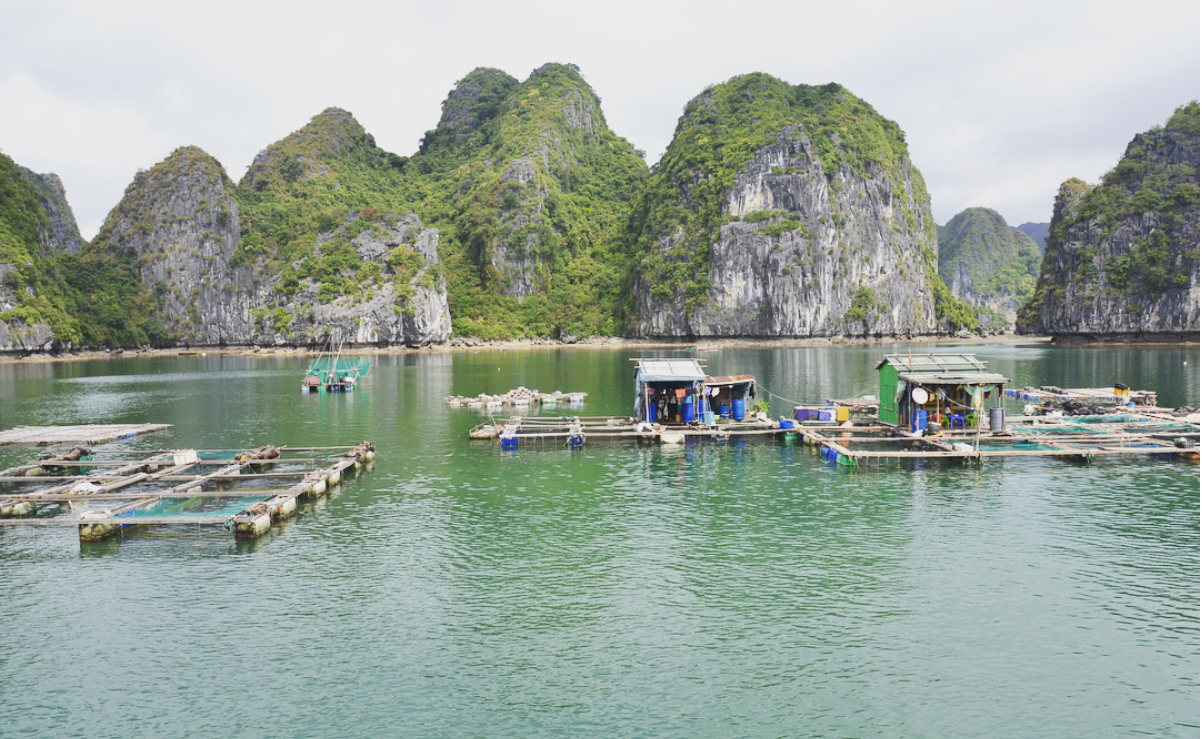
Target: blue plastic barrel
point(786, 424)
point(740, 409)
point(651, 411)
point(687, 412)
point(920, 420)
point(724, 411)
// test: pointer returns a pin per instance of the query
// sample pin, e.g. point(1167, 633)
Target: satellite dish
point(920, 396)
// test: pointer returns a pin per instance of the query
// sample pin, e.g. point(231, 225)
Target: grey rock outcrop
point(63, 235)
point(181, 223)
point(796, 248)
point(18, 335)
point(408, 305)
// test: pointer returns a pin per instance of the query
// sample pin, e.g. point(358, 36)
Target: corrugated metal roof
point(729, 379)
point(934, 363)
point(670, 370)
point(954, 378)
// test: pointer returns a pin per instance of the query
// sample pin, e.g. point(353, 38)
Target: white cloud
point(90, 144)
point(999, 101)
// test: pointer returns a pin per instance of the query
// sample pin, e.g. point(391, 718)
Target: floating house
point(953, 390)
point(730, 395)
point(669, 391)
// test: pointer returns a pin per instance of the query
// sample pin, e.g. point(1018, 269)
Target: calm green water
point(714, 590)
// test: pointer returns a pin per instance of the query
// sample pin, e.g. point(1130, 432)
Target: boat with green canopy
point(336, 374)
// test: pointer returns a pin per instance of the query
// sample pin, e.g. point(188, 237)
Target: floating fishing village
point(930, 406)
point(927, 407)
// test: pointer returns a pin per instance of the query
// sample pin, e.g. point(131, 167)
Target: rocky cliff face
point(1122, 258)
point(20, 333)
point(63, 231)
point(782, 211)
point(402, 301)
point(178, 223)
point(988, 265)
point(333, 248)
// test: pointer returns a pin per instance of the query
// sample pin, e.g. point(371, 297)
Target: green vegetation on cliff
point(36, 278)
point(530, 190)
point(544, 215)
point(310, 183)
point(526, 184)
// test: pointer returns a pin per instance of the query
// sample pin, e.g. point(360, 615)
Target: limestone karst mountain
point(1122, 256)
point(782, 210)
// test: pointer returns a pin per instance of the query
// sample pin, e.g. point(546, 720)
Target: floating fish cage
point(106, 493)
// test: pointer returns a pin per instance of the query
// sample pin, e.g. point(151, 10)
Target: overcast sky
point(1000, 102)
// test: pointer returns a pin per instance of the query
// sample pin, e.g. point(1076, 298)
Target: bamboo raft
point(89, 434)
point(249, 515)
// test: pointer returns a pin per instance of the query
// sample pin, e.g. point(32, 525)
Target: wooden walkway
point(91, 434)
point(848, 445)
point(613, 428)
point(249, 515)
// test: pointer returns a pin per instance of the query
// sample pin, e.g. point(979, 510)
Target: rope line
point(761, 386)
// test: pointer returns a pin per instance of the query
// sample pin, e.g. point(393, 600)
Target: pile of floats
point(520, 396)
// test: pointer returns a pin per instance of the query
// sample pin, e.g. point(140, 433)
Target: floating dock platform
point(576, 430)
point(1079, 437)
point(854, 443)
point(520, 396)
point(172, 487)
